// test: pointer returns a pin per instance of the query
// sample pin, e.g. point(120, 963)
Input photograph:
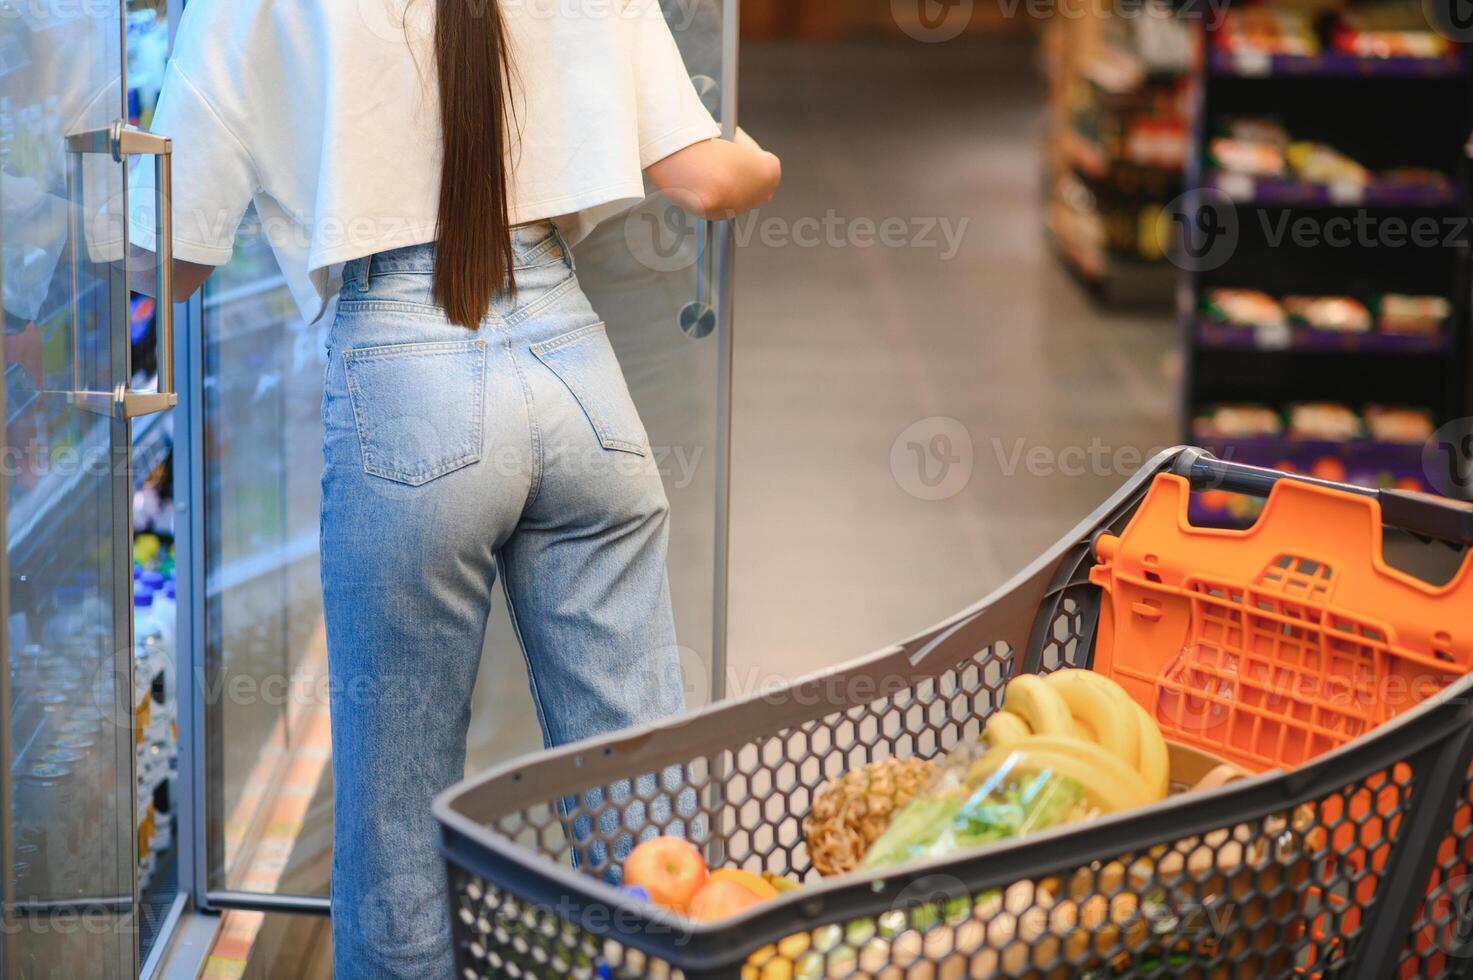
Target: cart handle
point(1422, 514)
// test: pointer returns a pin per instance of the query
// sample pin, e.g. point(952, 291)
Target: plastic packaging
point(1244, 308)
point(1420, 315)
point(1331, 314)
point(980, 795)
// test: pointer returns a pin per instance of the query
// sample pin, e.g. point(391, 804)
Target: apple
point(722, 899)
point(669, 869)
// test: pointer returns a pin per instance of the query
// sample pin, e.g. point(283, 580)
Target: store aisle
point(842, 349)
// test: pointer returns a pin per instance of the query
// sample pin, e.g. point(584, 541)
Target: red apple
point(671, 870)
point(722, 899)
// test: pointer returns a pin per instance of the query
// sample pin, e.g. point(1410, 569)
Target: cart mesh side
point(1275, 876)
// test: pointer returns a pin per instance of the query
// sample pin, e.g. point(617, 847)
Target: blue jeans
point(452, 456)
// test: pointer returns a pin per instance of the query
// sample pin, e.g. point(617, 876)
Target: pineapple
point(852, 811)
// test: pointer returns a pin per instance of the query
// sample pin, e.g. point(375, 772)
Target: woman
point(430, 166)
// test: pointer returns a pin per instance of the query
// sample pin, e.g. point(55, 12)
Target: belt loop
point(567, 251)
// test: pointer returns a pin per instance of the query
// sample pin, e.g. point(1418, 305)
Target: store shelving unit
point(1116, 141)
point(1386, 114)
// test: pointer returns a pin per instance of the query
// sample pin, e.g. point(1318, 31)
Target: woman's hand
point(719, 178)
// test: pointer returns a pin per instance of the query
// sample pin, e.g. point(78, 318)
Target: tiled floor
point(841, 349)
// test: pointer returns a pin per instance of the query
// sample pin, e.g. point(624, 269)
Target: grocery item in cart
point(852, 811)
point(1414, 315)
point(670, 870)
point(1266, 30)
point(1399, 425)
point(1331, 314)
point(1321, 163)
point(1243, 308)
point(1324, 421)
point(1062, 749)
point(1238, 422)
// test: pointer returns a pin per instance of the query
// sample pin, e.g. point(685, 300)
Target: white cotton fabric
point(324, 113)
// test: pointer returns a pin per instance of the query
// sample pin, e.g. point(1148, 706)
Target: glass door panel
point(269, 789)
point(69, 840)
point(266, 766)
point(658, 279)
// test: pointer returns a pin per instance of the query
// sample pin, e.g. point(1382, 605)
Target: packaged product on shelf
point(1387, 30)
point(1250, 146)
point(1238, 422)
point(1243, 308)
point(1423, 178)
point(1324, 421)
point(1321, 163)
point(1399, 425)
point(1332, 314)
point(1416, 315)
point(1266, 30)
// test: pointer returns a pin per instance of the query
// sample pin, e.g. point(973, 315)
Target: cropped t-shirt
point(325, 114)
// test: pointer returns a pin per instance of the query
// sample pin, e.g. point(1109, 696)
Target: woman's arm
point(188, 277)
point(719, 178)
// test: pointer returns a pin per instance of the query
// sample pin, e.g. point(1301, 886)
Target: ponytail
point(473, 257)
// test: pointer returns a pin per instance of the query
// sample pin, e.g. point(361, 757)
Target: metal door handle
point(120, 140)
point(698, 317)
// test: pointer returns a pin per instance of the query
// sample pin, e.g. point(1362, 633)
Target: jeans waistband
point(529, 244)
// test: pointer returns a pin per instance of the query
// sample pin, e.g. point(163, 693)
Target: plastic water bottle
point(148, 641)
point(166, 615)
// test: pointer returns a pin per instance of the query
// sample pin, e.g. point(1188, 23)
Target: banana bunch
point(1082, 726)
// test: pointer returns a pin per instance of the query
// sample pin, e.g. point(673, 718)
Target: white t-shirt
point(325, 114)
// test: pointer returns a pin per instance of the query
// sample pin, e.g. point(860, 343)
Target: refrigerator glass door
point(660, 281)
point(266, 766)
point(74, 837)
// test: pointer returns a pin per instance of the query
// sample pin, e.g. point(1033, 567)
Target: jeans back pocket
point(419, 408)
point(586, 363)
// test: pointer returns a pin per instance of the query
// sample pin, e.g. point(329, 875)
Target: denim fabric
point(453, 456)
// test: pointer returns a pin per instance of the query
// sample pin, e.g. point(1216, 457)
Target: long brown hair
point(473, 257)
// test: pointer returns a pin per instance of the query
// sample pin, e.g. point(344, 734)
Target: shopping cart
point(1355, 861)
